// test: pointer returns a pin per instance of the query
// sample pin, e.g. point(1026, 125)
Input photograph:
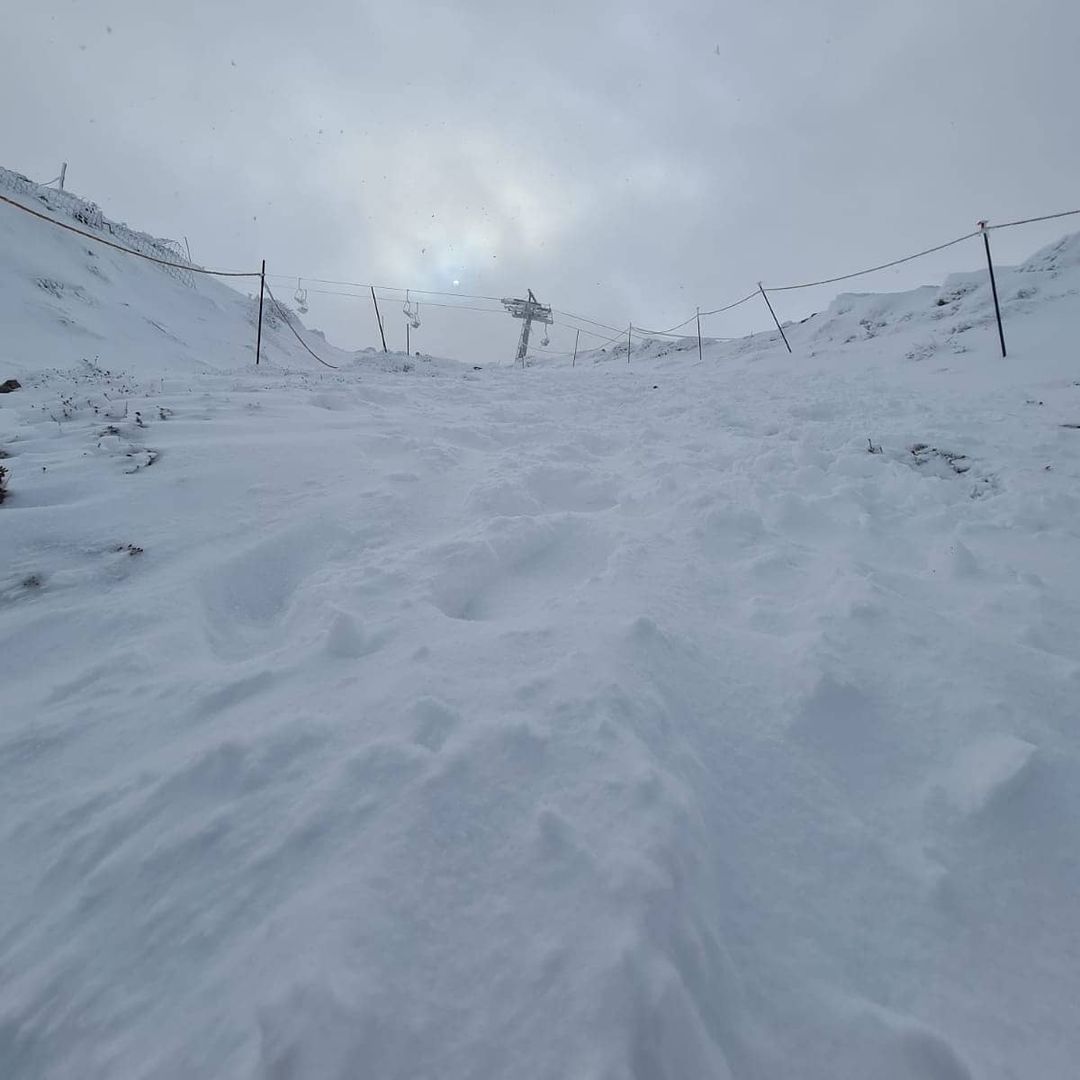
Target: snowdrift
point(670, 719)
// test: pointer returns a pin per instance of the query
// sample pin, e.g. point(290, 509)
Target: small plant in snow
point(3, 483)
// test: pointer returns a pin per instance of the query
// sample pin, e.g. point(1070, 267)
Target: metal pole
point(378, 318)
point(408, 347)
point(577, 338)
point(63, 174)
point(628, 333)
point(523, 341)
point(258, 333)
point(699, 335)
point(993, 285)
point(773, 314)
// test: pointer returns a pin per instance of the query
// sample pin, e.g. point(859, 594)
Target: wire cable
point(1028, 221)
point(127, 250)
point(383, 288)
point(285, 319)
point(582, 318)
point(728, 307)
point(428, 303)
point(873, 269)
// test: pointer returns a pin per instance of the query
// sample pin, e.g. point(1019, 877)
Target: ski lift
point(412, 311)
point(300, 298)
point(546, 341)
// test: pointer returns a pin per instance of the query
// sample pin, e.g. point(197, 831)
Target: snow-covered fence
point(173, 259)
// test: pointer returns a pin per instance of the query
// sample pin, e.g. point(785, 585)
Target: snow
point(609, 721)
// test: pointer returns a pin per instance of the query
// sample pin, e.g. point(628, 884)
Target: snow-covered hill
point(616, 721)
point(65, 300)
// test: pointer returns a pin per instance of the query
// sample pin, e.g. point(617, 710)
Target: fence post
point(993, 285)
point(378, 318)
point(699, 335)
point(577, 338)
point(629, 332)
point(773, 314)
point(258, 333)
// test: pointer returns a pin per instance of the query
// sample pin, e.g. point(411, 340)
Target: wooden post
point(258, 333)
point(699, 335)
point(773, 314)
point(378, 318)
point(628, 333)
point(577, 338)
point(993, 285)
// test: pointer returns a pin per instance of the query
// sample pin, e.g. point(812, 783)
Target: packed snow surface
point(626, 720)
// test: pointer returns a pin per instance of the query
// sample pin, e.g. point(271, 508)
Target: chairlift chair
point(300, 298)
point(412, 311)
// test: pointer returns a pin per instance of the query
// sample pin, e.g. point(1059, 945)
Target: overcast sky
point(625, 160)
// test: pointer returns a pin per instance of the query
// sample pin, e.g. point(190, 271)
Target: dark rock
point(8, 385)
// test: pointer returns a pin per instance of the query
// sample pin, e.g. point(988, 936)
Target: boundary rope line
point(641, 332)
point(872, 269)
point(720, 310)
point(494, 299)
point(1028, 221)
point(285, 320)
point(127, 250)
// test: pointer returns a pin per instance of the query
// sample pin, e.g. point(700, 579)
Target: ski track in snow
point(622, 721)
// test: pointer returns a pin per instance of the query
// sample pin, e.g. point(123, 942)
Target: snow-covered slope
point(65, 300)
point(616, 721)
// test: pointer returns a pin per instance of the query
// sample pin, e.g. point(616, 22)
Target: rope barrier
point(285, 319)
point(872, 269)
point(126, 250)
point(1030, 220)
point(668, 331)
point(497, 300)
point(720, 310)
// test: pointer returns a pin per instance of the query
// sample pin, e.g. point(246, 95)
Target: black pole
point(258, 333)
point(628, 333)
point(773, 314)
point(408, 347)
point(699, 335)
point(378, 319)
point(993, 285)
point(577, 338)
